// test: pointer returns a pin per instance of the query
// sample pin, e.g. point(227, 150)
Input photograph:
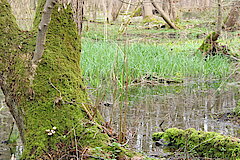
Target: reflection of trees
point(188, 107)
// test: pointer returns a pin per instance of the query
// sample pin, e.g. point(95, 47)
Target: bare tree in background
point(210, 46)
point(117, 6)
point(233, 16)
point(147, 9)
point(78, 13)
point(109, 9)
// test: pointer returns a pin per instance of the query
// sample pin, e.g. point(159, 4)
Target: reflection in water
point(153, 109)
point(13, 150)
point(6, 122)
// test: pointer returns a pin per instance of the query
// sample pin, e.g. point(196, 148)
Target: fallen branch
point(164, 15)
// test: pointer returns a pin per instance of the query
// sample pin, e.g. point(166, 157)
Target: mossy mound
point(211, 47)
point(200, 143)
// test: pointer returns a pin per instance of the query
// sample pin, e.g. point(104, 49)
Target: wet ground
point(152, 109)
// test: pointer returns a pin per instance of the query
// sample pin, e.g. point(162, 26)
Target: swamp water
point(8, 151)
point(6, 121)
point(156, 108)
point(191, 105)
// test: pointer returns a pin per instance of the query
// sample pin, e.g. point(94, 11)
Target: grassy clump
point(200, 144)
point(100, 59)
point(164, 52)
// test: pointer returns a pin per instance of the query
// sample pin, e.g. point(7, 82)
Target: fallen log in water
point(199, 143)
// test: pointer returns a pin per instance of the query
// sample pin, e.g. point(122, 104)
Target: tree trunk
point(111, 9)
point(233, 16)
point(210, 46)
point(219, 19)
point(109, 4)
point(117, 5)
point(168, 6)
point(147, 10)
point(50, 106)
point(165, 6)
point(164, 15)
point(172, 10)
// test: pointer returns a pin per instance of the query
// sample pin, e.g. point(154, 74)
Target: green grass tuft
point(100, 59)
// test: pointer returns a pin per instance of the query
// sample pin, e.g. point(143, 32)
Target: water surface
point(154, 109)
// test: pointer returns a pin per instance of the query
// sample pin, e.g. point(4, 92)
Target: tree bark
point(173, 13)
point(164, 15)
point(233, 16)
point(147, 9)
point(52, 109)
point(219, 19)
point(116, 9)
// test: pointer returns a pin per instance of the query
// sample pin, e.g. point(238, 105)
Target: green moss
point(58, 76)
point(53, 103)
point(151, 20)
point(208, 44)
point(138, 12)
point(38, 15)
point(113, 151)
point(15, 50)
point(202, 144)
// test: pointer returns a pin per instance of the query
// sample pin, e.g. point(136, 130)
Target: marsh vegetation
point(144, 70)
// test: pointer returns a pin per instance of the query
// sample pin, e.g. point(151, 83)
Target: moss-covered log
point(51, 107)
point(200, 143)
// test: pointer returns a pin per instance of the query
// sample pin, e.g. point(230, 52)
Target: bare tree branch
point(42, 30)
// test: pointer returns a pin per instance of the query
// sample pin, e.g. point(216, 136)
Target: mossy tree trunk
point(48, 101)
point(210, 46)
